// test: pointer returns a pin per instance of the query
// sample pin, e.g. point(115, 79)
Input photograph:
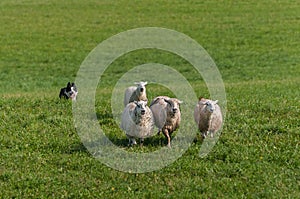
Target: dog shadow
point(76, 148)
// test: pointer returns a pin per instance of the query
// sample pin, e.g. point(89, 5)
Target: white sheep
point(135, 93)
point(137, 121)
point(208, 117)
point(167, 116)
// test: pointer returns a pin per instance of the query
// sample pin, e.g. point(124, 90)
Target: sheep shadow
point(154, 141)
point(118, 137)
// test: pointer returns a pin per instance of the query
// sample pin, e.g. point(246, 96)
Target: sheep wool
point(137, 121)
point(208, 117)
point(167, 116)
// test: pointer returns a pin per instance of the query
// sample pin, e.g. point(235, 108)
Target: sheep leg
point(204, 134)
point(141, 142)
point(166, 133)
point(131, 140)
point(211, 133)
point(159, 130)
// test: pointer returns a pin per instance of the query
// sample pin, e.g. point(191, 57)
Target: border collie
point(69, 92)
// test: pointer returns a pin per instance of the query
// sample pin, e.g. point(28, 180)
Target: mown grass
point(255, 46)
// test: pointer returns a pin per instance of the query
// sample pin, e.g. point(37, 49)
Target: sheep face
point(173, 105)
point(135, 93)
point(140, 108)
point(210, 105)
point(141, 86)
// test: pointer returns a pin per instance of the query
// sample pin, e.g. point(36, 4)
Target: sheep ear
point(202, 102)
point(155, 101)
point(167, 101)
point(141, 83)
point(215, 102)
point(179, 101)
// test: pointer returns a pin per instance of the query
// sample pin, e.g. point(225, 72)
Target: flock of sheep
point(138, 119)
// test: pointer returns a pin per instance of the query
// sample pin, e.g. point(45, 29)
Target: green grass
point(255, 45)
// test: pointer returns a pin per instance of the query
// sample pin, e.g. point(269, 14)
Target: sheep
point(167, 116)
point(137, 121)
point(135, 93)
point(208, 117)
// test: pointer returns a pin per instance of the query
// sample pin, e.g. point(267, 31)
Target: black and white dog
point(69, 92)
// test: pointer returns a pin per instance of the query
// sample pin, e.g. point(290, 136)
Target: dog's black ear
point(69, 84)
point(73, 84)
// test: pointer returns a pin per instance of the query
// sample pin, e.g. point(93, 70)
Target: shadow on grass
point(154, 141)
point(76, 148)
point(118, 137)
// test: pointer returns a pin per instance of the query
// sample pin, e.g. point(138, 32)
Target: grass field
point(255, 45)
